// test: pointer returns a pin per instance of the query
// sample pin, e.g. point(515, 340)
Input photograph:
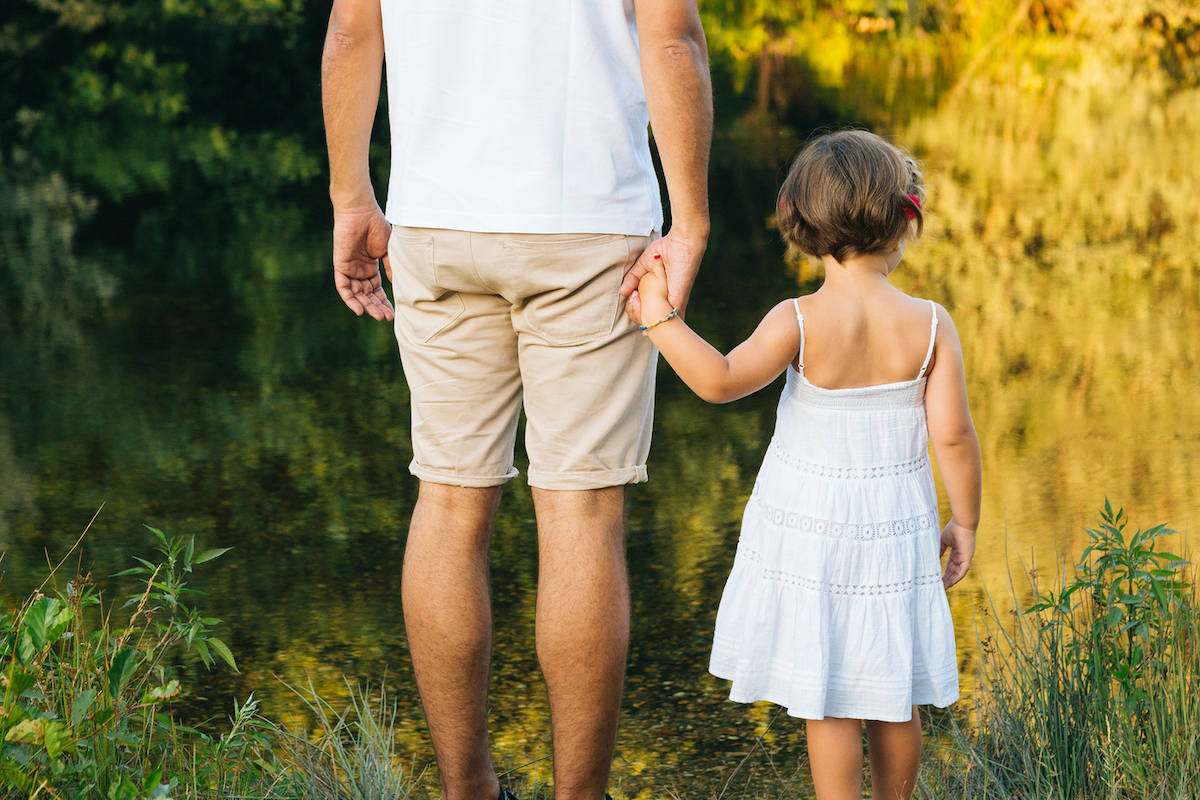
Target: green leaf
point(43, 622)
point(163, 692)
point(13, 775)
point(223, 651)
point(125, 737)
point(152, 780)
point(81, 705)
point(27, 731)
point(19, 682)
point(57, 737)
point(123, 666)
point(15, 715)
point(162, 537)
point(209, 555)
point(202, 649)
point(160, 792)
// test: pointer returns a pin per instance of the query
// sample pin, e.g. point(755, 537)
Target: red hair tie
point(908, 212)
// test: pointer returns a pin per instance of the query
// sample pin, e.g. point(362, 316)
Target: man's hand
point(360, 239)
point(960, 542)
point(681, 261)
point(650, 299)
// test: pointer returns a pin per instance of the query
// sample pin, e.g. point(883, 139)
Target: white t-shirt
point(520, 116)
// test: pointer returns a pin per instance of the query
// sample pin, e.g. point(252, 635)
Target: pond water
point(258, 413)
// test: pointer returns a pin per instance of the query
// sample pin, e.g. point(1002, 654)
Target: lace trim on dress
point(825, 471)
point(816, 585)
point(845, 530)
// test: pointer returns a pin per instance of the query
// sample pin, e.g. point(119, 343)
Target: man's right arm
point(679, 98)
point(351, 66)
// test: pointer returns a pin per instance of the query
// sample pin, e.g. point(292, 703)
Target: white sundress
point(835, 605)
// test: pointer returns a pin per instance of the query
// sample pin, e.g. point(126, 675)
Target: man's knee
point(465, 502)
point(602, 505)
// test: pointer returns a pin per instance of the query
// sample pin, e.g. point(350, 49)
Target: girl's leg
point(835, 756)
point(895, 749)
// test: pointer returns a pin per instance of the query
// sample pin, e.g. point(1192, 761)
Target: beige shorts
point(488, 321)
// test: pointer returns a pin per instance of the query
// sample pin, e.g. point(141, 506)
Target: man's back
point(525, 117)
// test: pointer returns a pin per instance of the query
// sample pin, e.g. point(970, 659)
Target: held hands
point(960, 542)
point(651, 301)
point(360, 239)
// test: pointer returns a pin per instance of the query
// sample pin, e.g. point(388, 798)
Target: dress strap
point(932, 338)
point(800, 322)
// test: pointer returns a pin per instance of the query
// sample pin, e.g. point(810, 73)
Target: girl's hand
point(653, 292)
point(960, 542)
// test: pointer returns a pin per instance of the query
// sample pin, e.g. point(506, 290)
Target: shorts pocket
point(423, 307)
point(574, 284)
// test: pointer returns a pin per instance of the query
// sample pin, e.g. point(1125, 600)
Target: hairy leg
point(448, 618)
point(895, 749)
point(582, 630)
point(836, 758)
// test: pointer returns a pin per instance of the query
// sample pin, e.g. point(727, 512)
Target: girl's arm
point(714, 377)
point(956, 447)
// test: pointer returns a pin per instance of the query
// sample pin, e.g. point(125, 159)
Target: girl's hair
point(849, 192)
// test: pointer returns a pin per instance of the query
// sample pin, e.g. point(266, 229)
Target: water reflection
point(263, 415)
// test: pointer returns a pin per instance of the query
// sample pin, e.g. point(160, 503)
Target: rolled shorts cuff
point(451, 478)
point(587, 479)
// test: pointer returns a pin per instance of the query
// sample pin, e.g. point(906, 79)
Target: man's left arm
point(679, 99)
point(351, 66)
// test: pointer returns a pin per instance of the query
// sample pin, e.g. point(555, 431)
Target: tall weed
point(1092, 691)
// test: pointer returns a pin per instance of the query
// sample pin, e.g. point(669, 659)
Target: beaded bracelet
point(674, 313)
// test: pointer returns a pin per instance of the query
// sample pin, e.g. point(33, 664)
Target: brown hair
point(848, 193)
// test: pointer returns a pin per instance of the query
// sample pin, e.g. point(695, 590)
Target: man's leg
point(588, 378)
point(582, 630)
point(448, 617)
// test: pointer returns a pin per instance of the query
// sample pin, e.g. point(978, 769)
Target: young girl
point(836, 605)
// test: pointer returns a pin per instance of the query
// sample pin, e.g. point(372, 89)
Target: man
point(525, 207)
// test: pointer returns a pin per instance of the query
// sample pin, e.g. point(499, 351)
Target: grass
point(1090, 692)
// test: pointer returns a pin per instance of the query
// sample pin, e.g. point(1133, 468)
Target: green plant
point(1093, 691)
point(1136, 605)
point(85, 701)
point(353, 756)
point(239, 763)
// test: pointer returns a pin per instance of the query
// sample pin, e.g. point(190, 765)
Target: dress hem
point(938, 690)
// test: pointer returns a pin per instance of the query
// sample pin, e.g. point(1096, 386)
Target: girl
point(836, 605)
